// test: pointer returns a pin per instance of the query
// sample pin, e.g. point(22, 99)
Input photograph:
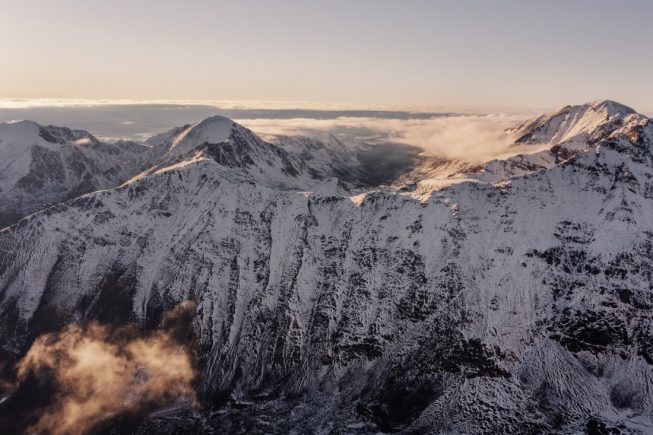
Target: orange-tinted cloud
point(100, 372)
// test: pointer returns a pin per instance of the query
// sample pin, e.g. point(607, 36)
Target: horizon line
point(26, 103)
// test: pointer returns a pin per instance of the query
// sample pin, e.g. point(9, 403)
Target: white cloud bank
point(472, 138)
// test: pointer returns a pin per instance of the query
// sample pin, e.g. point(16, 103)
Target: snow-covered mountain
point(581, 124)
point(291, 162)
point(233, 148)
point(520, 306)
point(41, 166)
point(559, 136)
point(537, 144)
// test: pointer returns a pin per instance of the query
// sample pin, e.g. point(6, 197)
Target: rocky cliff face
point(518, 307)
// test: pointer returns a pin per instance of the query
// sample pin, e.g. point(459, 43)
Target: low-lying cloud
point(99, 372)
point(445, 133)
point(471, 138)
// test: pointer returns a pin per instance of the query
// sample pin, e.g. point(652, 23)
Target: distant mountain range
point(348, 287)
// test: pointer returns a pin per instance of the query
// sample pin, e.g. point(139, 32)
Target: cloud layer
point(472, 138)
point(100, 372)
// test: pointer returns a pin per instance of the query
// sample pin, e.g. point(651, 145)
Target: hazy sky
point(529, 54)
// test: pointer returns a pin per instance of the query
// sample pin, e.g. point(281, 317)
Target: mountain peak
point(17, 130)
point(26, 133)
point(571, 123)
point(543, 142)
point(611, 108)
point(213, 130)
point(20, 123)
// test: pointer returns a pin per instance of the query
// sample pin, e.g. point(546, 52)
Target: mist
point(470, 137)
point(97, 372)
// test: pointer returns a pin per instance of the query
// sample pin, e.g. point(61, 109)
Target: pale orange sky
point(527, 54)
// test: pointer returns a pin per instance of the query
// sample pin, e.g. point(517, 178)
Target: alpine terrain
point(342, 288)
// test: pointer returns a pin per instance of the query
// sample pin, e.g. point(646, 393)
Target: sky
point(514, 54)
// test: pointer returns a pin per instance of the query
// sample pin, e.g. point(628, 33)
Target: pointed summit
point(573, 123)
point(212, 130)
point(611, 108)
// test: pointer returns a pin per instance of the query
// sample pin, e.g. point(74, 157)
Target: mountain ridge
point(46, 165)
point(537, 144)
point(512, 307)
